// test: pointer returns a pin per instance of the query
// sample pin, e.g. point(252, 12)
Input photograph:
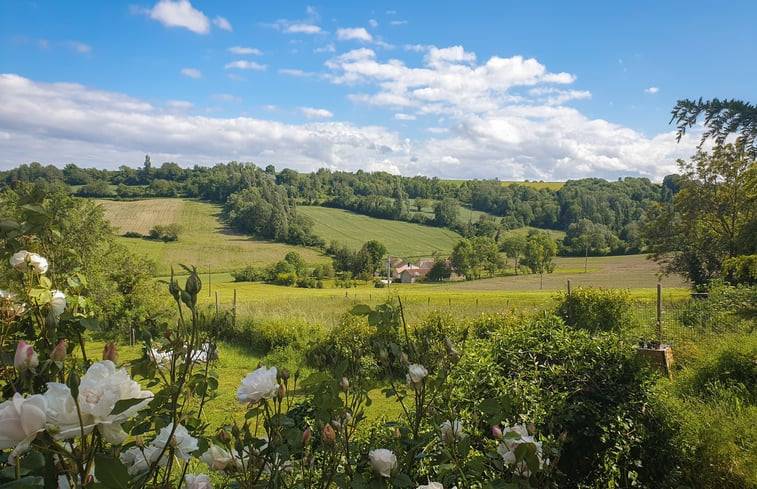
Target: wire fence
point(683, 320)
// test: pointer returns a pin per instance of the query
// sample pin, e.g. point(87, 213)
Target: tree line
point(263, 201)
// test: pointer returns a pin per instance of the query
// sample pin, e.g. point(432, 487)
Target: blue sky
point(514, 90)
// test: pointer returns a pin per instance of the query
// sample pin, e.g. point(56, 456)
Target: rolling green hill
point(204, 240)
point(403, 239)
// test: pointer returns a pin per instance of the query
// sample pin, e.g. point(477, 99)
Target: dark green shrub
point(352, 338)
point(595, 310)
point(249, 274)
point(593, 390)
point(741, 269)
point(487, 324)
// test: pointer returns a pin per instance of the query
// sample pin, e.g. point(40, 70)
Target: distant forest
point(599, 217)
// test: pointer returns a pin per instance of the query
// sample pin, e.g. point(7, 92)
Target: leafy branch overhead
point(721, 118)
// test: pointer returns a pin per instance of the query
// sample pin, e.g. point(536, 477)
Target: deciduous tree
point(712, 217)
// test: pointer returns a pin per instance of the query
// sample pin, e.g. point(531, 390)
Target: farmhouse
point(409, 276)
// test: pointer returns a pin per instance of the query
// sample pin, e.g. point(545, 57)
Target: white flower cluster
point(139, 459)
point(23, 261)
point(21, 418)
point(510, 442)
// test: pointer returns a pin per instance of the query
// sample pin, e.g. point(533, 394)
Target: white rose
point(451, 430)
point(23, 259)
point(21, 418)
point(62, 419)
point(432, 485)
point(510, 442)
point(182, 442)
point(57, 303)
point(99, 391)
point(200, 481)
point(18, 260)
point(383, 461)
point(139, 459)
point(415, 375)
point(38, 263)
point(219, 459)
point(260, 384)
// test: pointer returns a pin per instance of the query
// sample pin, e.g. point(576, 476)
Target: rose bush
point(89, 419)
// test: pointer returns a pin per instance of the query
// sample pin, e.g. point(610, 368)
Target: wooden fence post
point(659, 311)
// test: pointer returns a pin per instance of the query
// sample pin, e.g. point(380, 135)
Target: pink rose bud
point(59, 352)
point(224, 436)
point(306, 436)
point(110, 352)
point(329, 435)
point(26, 358)
point(497, 432)
point(282, 391)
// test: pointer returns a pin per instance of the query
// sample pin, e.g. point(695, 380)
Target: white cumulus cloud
point(244, 50)
point(302, 29)
point(245, 65)
point(312, 113)
point(354, 33)
point(180, 14)
point(191, 72)
point(652, 90)
point(222, 23)
point(506, 136)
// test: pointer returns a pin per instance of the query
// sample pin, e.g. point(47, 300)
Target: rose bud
point(59, 352)
point(329, 435)
point(110, 352)
point(497, 432)
point(306, 436)
point(344, 384)
point(26, 358)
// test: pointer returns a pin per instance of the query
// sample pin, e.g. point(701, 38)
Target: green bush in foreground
point(595, 309)
point(592, 390)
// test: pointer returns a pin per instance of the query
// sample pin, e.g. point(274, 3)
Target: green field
point(404, 239)
point(538, 185)
point(204, 240)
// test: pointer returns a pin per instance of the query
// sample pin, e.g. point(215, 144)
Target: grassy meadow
point(204, 240)
point(403, 239)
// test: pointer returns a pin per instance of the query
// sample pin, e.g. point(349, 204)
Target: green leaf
point(402, 480)
point(361, 310)
point(91, 324)
point(315, 379)
point(111, 472)
point(125, 404)
point(31, 482)
point(524, 450)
